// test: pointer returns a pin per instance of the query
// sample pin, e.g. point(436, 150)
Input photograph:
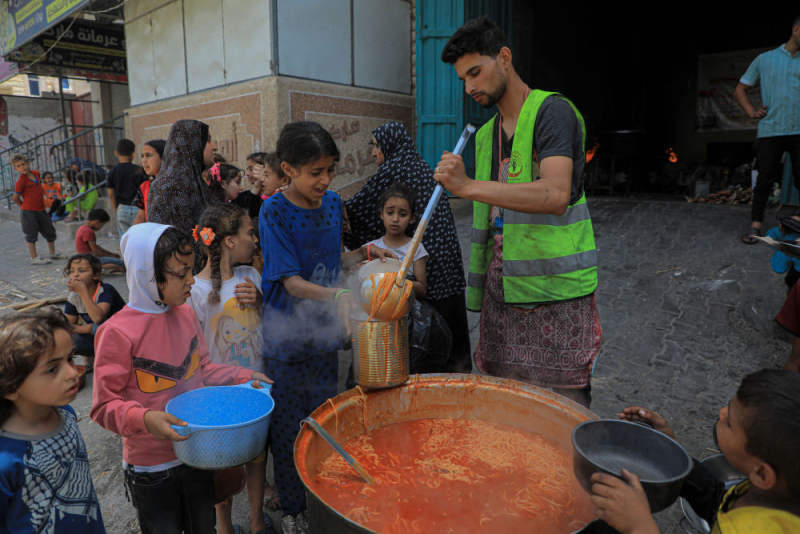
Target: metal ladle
point(394, 305)
point(339, 449)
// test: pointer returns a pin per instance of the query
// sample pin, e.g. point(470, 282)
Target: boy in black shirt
point(123, 182)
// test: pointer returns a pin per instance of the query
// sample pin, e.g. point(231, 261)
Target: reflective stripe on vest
point(575, 213)
point(545, 257)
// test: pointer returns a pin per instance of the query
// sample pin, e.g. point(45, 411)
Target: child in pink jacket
point(147, 353)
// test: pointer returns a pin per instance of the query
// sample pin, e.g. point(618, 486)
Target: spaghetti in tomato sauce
point(454, 475)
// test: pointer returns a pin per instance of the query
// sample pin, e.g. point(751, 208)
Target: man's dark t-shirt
point(125, 179)
point(557, 132)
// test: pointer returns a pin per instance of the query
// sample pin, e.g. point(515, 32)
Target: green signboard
point(22, 20)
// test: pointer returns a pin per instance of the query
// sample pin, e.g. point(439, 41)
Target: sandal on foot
point(749, 239)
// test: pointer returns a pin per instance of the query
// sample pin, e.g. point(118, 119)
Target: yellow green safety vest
point(546, 257)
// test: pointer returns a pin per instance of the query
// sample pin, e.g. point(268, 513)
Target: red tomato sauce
point(453, 475)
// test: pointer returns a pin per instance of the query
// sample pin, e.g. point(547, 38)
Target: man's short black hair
point(126, 147)
point(98, 214)
point(481, 36)
point(772, 426)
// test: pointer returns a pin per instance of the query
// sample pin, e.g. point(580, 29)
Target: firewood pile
point(735, 195)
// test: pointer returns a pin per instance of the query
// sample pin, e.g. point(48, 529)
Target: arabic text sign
point(22, 20)
point(83, 47)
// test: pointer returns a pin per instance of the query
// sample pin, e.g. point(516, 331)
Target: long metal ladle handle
point(339, 449)
point(426, 216)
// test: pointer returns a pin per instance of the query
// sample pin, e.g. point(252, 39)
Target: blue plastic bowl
point(227, 425)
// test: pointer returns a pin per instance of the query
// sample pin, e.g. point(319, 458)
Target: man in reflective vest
point(533, 265)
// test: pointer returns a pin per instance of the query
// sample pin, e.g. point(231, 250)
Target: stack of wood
point(29, 305)
point(736, 195)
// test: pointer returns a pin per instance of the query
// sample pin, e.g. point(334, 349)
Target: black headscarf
point(402, 163)
point(178, 194)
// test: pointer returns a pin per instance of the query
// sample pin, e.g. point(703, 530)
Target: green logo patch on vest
point(515, 164)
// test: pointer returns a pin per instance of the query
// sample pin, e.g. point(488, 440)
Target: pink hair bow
point(215, 172)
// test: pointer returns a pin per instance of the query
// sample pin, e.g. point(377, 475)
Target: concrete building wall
point(176, 47)
point(247, 117)
point(343, 63)
point(353, 42)
point(27, 118)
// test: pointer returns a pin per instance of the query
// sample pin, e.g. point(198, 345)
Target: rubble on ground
point(736, 195)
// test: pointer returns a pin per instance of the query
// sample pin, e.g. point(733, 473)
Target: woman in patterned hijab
point(178, 194)
point(399, 161)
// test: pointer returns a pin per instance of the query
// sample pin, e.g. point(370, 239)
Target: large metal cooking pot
point(609, 445)
point(485, 398)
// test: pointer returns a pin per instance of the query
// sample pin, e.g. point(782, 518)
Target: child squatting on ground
point(759, 434)
point(90, 302)
point(86, 240)
point(146, 354)
point(305, 309)
point(227, 302)
point(45, 484)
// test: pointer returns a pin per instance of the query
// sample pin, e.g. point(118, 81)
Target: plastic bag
point(430, 340)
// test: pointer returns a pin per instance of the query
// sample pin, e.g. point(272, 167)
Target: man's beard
point(495, 96)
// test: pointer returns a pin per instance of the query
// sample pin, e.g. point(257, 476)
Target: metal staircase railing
point(51, 150)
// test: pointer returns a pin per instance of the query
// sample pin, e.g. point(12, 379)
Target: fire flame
point(591, 152)
point(672, 156)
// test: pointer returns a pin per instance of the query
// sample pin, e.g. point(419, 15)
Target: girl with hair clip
point(306, 309)
point(227, 303)
point(225, 181)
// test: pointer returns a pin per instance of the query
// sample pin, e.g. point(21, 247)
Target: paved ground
point(687, 311)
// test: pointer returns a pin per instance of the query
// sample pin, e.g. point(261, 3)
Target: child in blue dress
point(306, 310)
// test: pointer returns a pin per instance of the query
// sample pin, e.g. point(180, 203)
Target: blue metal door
point(440, 103)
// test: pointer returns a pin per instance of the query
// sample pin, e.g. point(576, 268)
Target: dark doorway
point(634, 71)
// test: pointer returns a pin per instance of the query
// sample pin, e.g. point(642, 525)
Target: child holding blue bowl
point(146, 354)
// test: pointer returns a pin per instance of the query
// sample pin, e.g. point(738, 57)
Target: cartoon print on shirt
point(235, 342)
point(236, 335)
point(154, 376)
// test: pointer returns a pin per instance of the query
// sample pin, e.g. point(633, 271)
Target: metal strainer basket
point(380, 353)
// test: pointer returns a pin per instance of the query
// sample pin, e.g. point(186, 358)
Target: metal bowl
point(609, 445)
